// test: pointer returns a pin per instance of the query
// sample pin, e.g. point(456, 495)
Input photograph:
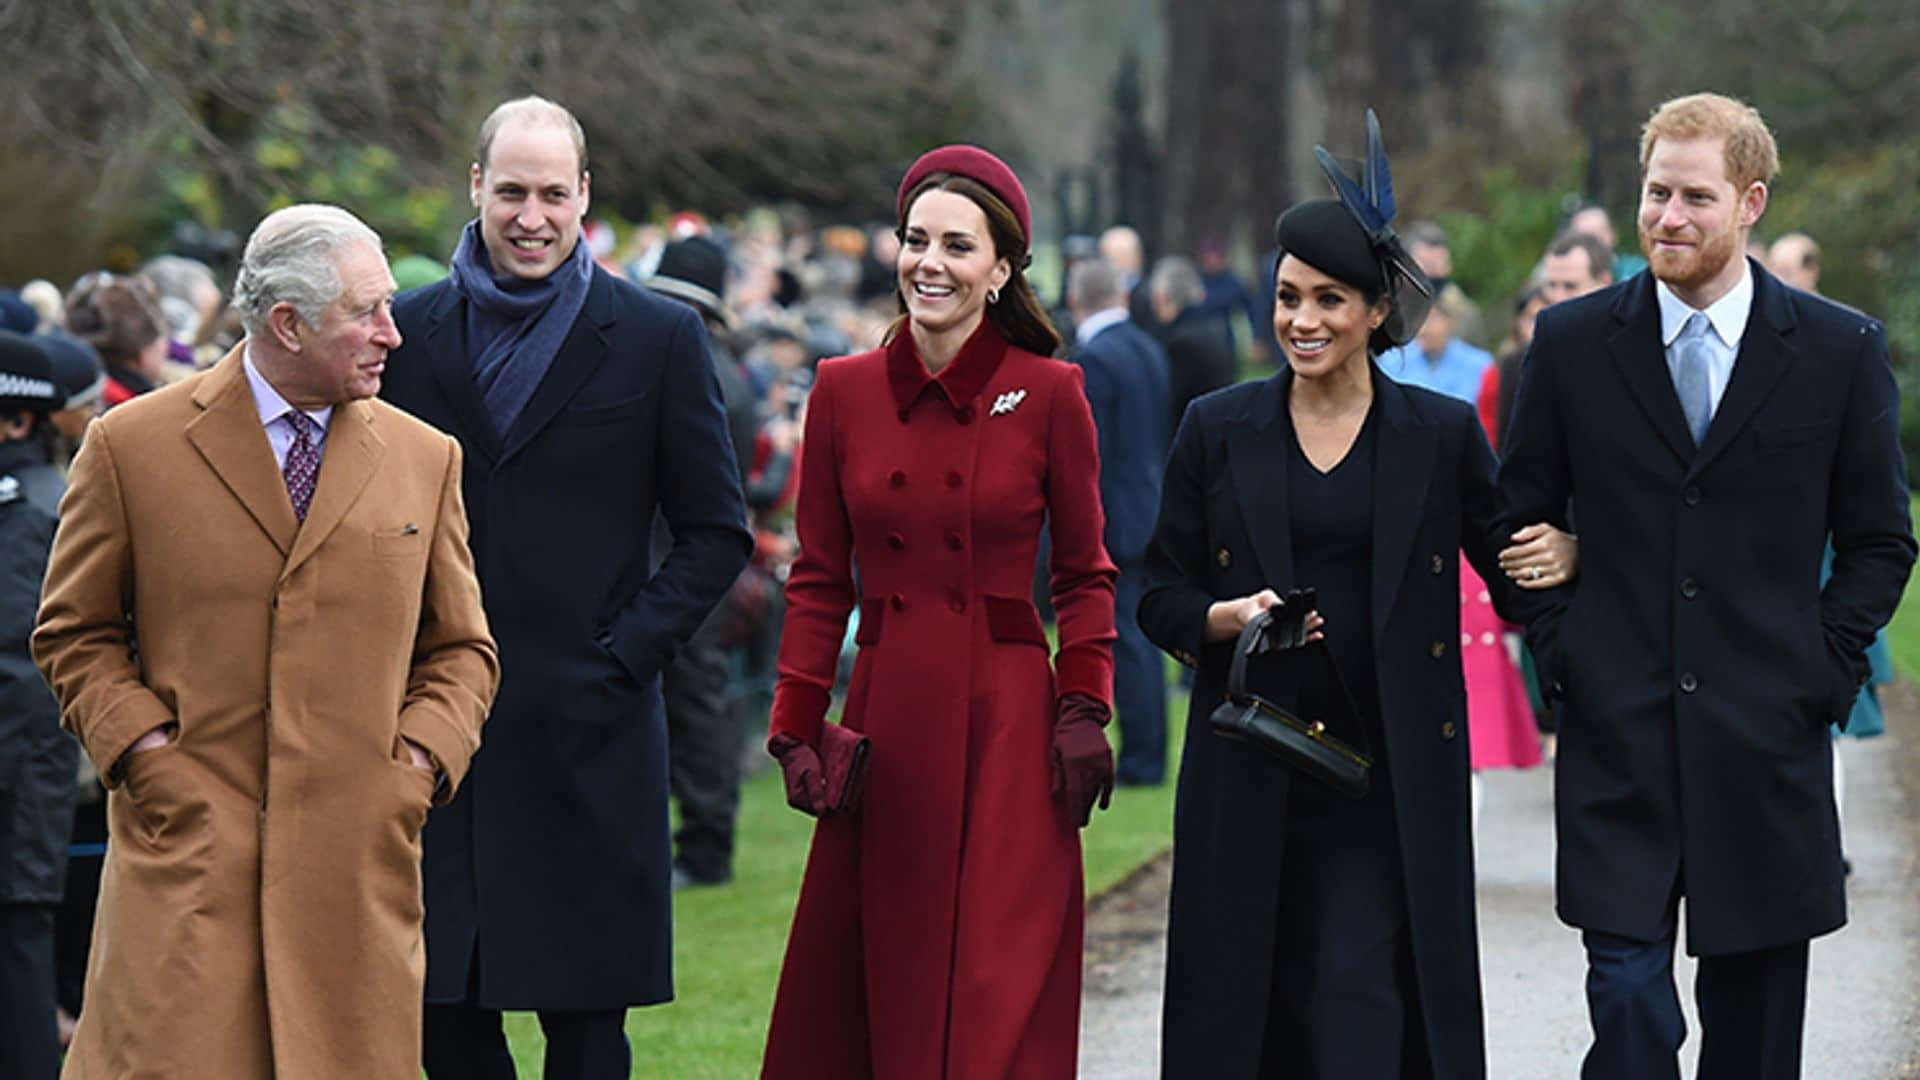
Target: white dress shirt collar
point(1097, 322)
point(270, 404)
point(1727, 314)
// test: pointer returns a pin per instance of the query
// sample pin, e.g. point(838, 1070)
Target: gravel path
point(1863, 1011)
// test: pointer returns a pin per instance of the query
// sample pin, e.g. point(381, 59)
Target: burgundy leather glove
point(1082, 758)
point(806, 780)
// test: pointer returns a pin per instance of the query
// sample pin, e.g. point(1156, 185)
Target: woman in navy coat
point(1313, 935)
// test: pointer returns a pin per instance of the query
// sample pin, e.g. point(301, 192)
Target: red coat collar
point(961, 380)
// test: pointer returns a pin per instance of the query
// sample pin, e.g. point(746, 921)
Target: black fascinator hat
point(1351, 239)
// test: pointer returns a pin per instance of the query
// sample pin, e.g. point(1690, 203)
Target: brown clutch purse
point(843, 758)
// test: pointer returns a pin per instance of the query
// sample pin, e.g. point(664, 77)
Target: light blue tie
point(1692, 353)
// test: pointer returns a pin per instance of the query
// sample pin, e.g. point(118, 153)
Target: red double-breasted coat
point(938, 931)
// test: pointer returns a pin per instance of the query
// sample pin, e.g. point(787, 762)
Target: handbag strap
point(1249, 644)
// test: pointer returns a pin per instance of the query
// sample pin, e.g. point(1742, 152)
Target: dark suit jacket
point(562, 825)
point(1127, 386)
point(1223, 532)
point(1199, 359)
point(1697, 658)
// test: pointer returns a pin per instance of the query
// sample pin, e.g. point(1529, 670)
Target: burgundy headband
point(977, 165)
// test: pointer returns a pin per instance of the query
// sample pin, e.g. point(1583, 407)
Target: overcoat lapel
point(1764, 357)
point(581, 353)
point(1403, 463)
point(1257, 463)
point(1637, 351)
point(228, 434)
point(351, 458)
point(446, 351)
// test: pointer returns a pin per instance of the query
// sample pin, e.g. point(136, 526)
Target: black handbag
point(1305, 746)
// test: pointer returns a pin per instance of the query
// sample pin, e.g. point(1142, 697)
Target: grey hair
point(1176, 278)
point(177, 276)
point(1093, 284)
point(290, 259)
point(178, 281)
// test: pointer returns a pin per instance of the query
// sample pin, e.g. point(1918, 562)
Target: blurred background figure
point(1120, 246)
point(1502, 380)
point(1795, 260)
point(704, 735)
point(1438, 358)
point(37, 759)
point(190, 299)
point(1427, 242)
point(1128, 387)
point(1593, 220)
point(121, 318)
point(1227, 301)
point(1198, 359)
point(1576, 264)
point(48, 305)
point(416, 270)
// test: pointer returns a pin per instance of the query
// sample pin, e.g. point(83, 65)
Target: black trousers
point(1344, 1001)
point(29, 1037)
point(463, 1041)
point(73, 926)
point(704, 743)
point(1752, 1011)
point(1139, 687)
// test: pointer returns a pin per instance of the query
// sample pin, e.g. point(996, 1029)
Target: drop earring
point(993, 296)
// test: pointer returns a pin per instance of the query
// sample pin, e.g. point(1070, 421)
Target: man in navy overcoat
point(1129, 386)
point(585, 405)
point(1712, 429)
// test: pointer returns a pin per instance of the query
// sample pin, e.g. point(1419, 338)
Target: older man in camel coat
point(261, 619)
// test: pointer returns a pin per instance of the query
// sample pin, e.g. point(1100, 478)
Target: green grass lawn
point(729, 941)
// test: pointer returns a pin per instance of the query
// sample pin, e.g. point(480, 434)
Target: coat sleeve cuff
point(1083, 671)
point(114, 732)
point(450, 748)
point(799, 708)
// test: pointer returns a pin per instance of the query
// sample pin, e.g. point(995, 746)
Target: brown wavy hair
point(1019, 316)
point(116, 314)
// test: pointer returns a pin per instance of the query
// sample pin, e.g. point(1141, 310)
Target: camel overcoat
point(260, 909)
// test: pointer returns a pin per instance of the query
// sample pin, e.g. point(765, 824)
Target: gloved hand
point(1082, 758)
point(800, 765)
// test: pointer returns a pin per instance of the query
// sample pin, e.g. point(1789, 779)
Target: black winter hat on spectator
point(694, 270)
point(77, 369)
point(16, 314)
point(26, 376)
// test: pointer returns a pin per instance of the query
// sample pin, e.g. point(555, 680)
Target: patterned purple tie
point(303, 462)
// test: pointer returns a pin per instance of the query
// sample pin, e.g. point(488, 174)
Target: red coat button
point(898, 479)
point(898, 602)
point(954, 543)
point(958, 603)
point(965, 415)
point(954, 479)
point(896, 541)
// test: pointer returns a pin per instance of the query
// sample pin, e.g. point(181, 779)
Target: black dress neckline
point(1366, 424)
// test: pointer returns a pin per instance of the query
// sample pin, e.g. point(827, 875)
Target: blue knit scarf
point(514, 326)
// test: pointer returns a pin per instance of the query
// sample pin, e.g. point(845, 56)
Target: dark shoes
point(686, 879)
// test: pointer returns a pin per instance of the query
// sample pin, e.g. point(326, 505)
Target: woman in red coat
point(938, 929)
